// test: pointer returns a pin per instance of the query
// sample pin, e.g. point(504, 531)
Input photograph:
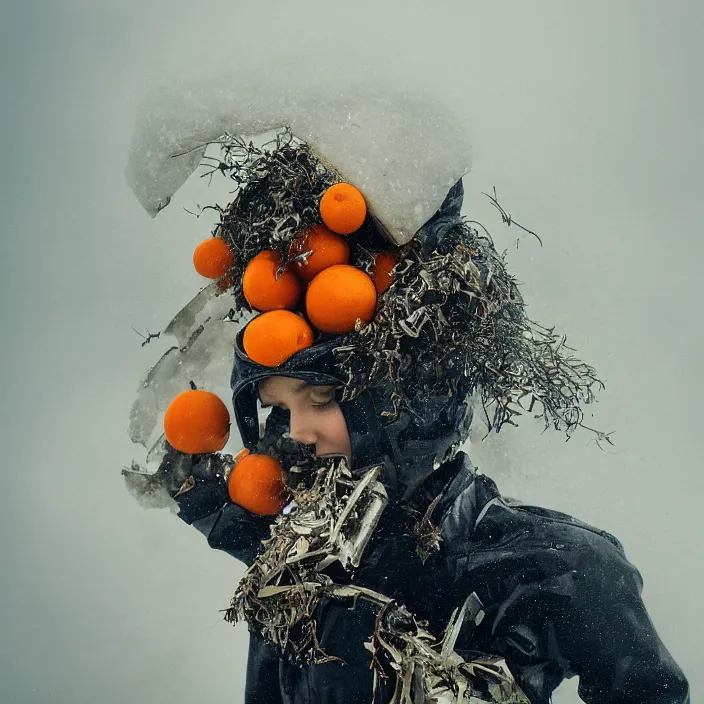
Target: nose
point(302, 430)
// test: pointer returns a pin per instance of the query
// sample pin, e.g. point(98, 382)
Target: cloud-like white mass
point(402, 149)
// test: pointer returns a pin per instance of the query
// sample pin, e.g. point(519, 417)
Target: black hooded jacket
point(556, 597)
point(553, 596)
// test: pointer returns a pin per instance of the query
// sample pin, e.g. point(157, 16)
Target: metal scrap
point(464, 309)
point(333, 520)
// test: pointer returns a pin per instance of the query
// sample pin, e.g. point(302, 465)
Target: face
point(316, 417)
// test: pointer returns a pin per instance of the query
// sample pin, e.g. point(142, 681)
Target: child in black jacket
point(549, 595)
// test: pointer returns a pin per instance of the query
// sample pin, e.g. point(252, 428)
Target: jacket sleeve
point(559, 598)
point(198, 486)
point(226, 525)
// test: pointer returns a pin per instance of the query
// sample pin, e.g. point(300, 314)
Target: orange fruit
point(343, 209)
point(263, 290)
point(272, 337)
point(256, 483)
point(384, 262)
point(327, 249)
point(212, 258)
point(197, 422)
point(338, 296)
point(242, 453)
point(270, 254)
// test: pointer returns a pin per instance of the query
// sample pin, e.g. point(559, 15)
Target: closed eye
point(321, 405)
point(322, 398)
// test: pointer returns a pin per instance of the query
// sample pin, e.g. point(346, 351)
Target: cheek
point(336, 430)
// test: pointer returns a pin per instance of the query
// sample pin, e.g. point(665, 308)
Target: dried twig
point(506, 217)
point(450, 323)
point(280, 591)
point(456, 322)
point(279, 595)
point(600, 437)
point(149, 336)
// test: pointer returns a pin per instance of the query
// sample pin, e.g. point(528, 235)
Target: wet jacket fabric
point(554, 596)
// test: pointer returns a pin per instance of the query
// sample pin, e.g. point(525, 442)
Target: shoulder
point(476, 520)
point(556, 597)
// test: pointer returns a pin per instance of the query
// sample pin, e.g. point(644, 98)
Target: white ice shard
point(206, 361)
point(401, 148)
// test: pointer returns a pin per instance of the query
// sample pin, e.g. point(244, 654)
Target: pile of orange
point(339, 298)
point(316, 286)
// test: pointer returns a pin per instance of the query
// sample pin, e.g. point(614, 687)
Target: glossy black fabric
point(559, 598)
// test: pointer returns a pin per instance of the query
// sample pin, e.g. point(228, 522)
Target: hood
point(409, 448)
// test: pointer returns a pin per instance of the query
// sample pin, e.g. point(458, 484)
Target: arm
point(227, 526)
point(198, 486)
point(560, 599)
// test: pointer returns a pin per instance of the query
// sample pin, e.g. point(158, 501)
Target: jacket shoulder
point(558, 598)
point(473, 514)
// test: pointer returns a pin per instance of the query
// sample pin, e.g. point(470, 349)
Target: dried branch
point(600, 436)
point(279, 595)
point(454, 323)
point(506, 217)
point(334, 518)
point(149, 336)
point(449, 324)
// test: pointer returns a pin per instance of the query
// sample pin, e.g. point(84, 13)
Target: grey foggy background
point(587, 117)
